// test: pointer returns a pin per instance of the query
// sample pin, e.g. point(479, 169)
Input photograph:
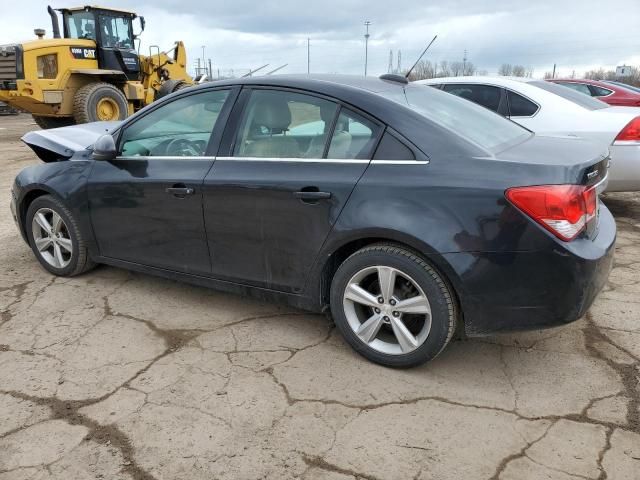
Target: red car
point(607, 92)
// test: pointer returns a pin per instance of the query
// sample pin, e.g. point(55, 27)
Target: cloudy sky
point(241, 34)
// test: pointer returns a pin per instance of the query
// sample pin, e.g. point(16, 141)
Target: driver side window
point(180, 128)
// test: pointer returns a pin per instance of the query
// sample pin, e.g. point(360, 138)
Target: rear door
point(288, 165)
point(146, 204)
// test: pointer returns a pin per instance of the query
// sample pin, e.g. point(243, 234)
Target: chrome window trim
point(281, 160)
point(150, 157)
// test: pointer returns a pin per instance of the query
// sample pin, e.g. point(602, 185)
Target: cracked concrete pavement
point(117, 375)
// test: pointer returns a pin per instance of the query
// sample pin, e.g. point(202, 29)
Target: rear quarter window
point(520, 106)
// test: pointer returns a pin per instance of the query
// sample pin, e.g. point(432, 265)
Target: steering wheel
point(180, 147)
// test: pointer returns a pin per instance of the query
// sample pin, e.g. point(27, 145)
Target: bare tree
point(548, 75)
point(457, 68)
point(482, 73)
point(518, 71)
point(424, 69)
point(469, 69)
point(505, 69)
point(445, 71)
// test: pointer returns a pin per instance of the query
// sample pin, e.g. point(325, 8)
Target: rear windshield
point(481, 126)
point(585, 101)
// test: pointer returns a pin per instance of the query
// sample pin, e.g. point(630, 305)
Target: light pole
point(204, 61)
point(366, 46)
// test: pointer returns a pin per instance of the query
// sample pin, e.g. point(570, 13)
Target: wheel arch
point(27, 200)
point(338, 252)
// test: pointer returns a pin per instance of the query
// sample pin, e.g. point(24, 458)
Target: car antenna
point(420, 57)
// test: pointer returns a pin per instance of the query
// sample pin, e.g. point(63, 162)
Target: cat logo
point(83, 53)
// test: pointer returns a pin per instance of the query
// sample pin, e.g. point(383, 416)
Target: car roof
point(315, 82)
point(493, 80)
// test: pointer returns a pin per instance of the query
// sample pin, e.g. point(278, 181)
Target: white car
point(549, 109)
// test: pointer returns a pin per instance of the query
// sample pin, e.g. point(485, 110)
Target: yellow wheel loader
point(90, 73)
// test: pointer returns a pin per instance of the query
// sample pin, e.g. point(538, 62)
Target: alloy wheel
point(387, 310)
point(51, 237)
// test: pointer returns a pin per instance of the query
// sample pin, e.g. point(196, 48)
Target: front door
point(280, 182)
point(146, 205)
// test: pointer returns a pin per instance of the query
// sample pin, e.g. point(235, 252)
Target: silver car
point(549, 109)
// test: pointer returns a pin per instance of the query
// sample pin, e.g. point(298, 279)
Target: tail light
point(631, 132)
point(564, 210)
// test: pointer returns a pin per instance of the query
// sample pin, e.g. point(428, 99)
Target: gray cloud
point(244, 33)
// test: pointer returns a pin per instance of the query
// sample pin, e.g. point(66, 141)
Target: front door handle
point(311, 194)
point(180, 190)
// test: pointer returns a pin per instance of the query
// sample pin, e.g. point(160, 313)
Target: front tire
point(392, 307)
point(52, 122)
point(55, 238)
point(99, 102)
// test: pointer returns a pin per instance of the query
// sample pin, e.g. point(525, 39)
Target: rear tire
point(53, 122)
point(55, 238)
point(406, 323)
point(99, 101)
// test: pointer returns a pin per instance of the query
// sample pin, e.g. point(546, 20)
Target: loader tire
point(99, 101)
point(52, 122)
point(170, 86)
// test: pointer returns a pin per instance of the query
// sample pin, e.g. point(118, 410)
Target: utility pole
point(210, 71)
point(204, 61)
point(399, 62)
point(308, 55)
point(390, 67)
point(464, 63)
point(553, 75)
point(366, 46)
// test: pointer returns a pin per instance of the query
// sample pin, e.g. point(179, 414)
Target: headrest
point(273, 113)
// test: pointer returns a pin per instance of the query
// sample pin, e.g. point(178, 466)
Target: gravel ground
point(117, 375)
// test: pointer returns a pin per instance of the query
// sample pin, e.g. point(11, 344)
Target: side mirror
point(143, 23)
point(104, 148)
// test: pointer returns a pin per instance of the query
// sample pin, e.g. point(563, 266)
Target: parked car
point(623, 85)
point(411, 214)
point(613, 94)
point(549, 109)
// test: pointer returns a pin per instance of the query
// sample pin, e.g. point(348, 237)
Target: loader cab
point(112, 30)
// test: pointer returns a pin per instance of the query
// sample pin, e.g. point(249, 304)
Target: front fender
point(65, 180)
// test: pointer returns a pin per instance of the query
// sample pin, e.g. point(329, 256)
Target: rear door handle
point(180, 190)
point(304, 195)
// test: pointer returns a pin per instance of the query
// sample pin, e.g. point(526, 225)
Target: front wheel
point(99, 102)
point(392, 307)
point(55, 238)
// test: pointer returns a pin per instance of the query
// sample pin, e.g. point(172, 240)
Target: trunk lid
point(59, 144)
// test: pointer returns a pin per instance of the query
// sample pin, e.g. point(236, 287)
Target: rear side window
point(486, 95)
point(353, 137)
point(601, 92)
point(390, 148)
point(520, 106)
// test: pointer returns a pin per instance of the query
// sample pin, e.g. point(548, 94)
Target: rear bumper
point(533, 290)
point(624, 174)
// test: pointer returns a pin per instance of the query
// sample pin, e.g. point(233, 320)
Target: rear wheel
point(98, 102)
point(52, 122)
point(55, 238)
point(392, 307)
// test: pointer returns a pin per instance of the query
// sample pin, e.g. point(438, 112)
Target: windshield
point(80, 25)
point(481, 126)
point(585, 101)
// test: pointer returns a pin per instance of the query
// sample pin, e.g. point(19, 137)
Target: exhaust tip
point(40, 32)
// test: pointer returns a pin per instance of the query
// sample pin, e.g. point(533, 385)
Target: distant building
point(623, 71)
